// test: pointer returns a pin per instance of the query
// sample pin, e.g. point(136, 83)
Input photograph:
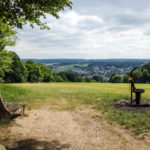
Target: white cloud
point(73, 18)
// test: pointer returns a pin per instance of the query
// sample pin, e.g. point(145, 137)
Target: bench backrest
point(4, 112)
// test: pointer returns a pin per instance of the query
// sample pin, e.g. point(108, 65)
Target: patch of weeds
point(126, 127)
point(100, 117)
point(5, 123)
point(138, 131)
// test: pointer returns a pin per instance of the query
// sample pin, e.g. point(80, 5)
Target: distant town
point(88, 72)
point(89, 68)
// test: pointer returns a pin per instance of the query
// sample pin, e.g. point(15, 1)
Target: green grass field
point(70, 95)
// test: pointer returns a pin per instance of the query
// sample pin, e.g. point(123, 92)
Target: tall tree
point(11, 67)
point(47, 73)
point(138, 76)
point(146, 66)
point(7, 36)
point(145, 76)
point(5, 64)
point(34, 72)
point(16, 13)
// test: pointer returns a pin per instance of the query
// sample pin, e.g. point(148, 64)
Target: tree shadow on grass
point(32, 144)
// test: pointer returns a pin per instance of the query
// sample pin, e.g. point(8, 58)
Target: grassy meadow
point(68, 96)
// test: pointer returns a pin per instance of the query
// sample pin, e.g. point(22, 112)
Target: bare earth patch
point(45, 129)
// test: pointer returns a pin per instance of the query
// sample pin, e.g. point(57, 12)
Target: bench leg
point(138, 98)
point(23, 111)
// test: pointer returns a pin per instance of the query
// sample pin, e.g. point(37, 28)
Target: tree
point(87, 79)
point(58, 78)
point(79, 79)
point(5, 64)
point(138, 76)
point(97, 78)
point(11, 67)
point(34, 72)
point(7, 36)
point(70, 76)
point(126, 78)
point(47, 73)
point(19, 71)
point(110, 80)
point(116, 78)
point(145, 76)
point(63, 76)
point(146, 66)
point(17, 13)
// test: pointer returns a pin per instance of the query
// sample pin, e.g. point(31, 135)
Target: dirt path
point(70, 130)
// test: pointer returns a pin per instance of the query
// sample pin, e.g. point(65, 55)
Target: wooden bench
point(136, 91)
point(9, 109)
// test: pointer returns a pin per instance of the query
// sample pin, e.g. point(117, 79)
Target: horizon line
point(92, 58)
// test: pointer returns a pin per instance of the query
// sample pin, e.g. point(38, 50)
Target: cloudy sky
point(93, 29)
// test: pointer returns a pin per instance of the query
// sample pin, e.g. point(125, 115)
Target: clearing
point(74, 116)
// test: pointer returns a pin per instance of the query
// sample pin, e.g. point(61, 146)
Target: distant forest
point(93, 62)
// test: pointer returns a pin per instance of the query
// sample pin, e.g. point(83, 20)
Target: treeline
point(13, 70)
point(118, 63)
point(140, 75)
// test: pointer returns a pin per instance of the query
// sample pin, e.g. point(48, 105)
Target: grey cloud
point(132, 19)
point(94, 4)
point(119, 28)
point(116, 10)
point(89, 25)
point(147, 32)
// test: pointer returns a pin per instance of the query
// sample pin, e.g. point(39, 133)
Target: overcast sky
point(93, 29)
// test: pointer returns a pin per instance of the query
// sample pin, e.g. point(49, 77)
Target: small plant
point(4, 123)
point(138, 131)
